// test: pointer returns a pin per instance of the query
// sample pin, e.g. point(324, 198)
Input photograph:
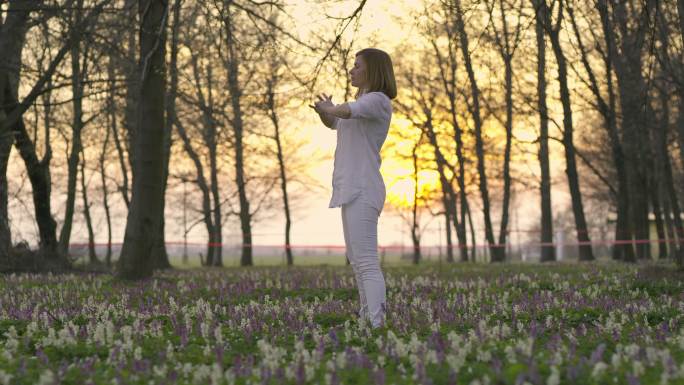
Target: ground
point(446, 324)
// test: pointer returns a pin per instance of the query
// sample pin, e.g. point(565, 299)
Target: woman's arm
point(328, 120)
point(341, 110)
point(329, 111)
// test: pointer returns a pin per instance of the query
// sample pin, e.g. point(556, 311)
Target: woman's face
point(358, 73)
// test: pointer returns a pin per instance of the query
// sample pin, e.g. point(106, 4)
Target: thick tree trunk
point(12, 37)
point(673, 200)
point(623, 249)
point(146, 201)
point(548, 251)
point(635, 109)
point(497, 251)
point(680, 123)
point(38, 173)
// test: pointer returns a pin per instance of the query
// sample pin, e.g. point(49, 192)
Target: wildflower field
point(446, 324)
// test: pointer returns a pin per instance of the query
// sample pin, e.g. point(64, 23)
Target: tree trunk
point(680, 10)
point(38, 172)
point(130, 122)
point(680, 87)
point(448, 75)
point(472, 234)
point(680, 123)
point(503, 229)
point(415, 229)
point(120, 151)
point(92, 255)
point(635, 109)
point(111, 127)
point(548, 251)
point(76, 128)
point(238, 129)
point(673, 200)
point(676, 211)
point(12, 38)
point(623, 249)
point(271, 103)
point(497, 252)
point(146, 201)
point(160, 256)
point(447, 219)
point(201, 182)
point(217, 259)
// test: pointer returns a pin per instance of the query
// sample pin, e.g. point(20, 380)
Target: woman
point(358, 188)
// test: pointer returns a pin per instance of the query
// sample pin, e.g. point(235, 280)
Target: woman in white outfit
point(358, 188)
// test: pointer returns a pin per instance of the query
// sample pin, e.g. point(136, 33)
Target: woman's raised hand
point(323, 101)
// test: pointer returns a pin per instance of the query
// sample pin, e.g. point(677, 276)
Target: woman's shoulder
point(376, 94)
point(376, 97)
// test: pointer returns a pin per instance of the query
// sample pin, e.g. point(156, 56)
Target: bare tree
point(447, 64)
point(548, 251)
point(272, 107)
point(507, 43)
point(160, 256)
point(606, 106)
point(12, 37)
point(553, 31)
point(497, 251)
point(79, 72)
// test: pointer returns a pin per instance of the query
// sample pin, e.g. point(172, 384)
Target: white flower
point(637, 368)
point(216, 374)
point(137, 353)
point(5, 378)
point(554, 377)
point(615, 360)
point(598, 369)
point(46, 378)
point(159, 371)
point(218, 335)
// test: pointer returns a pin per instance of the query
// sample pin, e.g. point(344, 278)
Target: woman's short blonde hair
point(379, 71)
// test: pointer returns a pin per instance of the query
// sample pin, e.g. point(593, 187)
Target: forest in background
point(122, 104)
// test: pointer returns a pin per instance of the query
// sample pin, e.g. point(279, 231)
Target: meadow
point(477, 324)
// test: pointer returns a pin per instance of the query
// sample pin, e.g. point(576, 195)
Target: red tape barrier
point(404, 247)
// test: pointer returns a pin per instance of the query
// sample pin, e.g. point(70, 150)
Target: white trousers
point(360, 224)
